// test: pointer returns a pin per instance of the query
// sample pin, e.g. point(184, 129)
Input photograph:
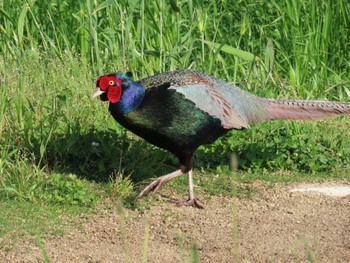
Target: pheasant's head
point(120, 90)
point(110, 87)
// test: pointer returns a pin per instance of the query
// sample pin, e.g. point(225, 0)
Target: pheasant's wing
point(207, 98)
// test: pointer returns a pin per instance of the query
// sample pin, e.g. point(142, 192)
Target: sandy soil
point(273, 226)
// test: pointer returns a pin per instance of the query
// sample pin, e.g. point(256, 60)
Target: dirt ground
point(273, 226)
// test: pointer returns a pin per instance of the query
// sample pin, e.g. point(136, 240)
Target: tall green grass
point(51, 132)
point(311, 37)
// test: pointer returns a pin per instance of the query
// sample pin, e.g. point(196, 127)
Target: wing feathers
point(212, 102)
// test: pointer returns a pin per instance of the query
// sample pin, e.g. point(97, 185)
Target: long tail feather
point(305, 110)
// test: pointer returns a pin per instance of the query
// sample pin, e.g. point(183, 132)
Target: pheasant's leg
point(190, 185)
point(193, 200)
point(155, 185)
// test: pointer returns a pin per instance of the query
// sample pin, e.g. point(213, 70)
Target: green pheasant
point(181, 110)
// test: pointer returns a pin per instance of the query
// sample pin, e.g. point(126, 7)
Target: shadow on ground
point(96, 155)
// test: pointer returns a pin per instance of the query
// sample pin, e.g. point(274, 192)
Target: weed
point(121, 186)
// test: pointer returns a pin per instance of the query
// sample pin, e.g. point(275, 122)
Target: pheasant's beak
point(97, 92)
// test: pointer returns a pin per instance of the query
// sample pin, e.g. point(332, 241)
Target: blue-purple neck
point(131, 98)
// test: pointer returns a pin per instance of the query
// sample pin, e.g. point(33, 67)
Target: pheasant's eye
point(111, 83)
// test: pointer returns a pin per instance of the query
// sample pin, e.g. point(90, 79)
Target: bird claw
point(152, 187)
point(156, 184)
point(190, 202)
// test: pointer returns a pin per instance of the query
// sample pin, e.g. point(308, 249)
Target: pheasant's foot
point(190, 202)
point(156, 184)
point(152, 187)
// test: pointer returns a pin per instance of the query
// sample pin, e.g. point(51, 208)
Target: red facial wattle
point(114, 93)
point(112, 86)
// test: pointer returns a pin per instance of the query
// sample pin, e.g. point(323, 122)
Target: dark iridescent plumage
point(181, 110)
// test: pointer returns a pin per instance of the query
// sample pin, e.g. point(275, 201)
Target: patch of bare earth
point(274, 226)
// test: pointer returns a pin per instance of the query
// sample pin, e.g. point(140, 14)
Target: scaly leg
point(193, 200)
point(155, 185)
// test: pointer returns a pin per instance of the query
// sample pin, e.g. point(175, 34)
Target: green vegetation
point(61, 149)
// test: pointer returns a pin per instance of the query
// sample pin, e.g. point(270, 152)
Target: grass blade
point(269, 55)
point(20, 27)
point(247, 56)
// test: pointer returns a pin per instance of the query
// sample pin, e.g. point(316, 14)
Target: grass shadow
point(96, 155)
